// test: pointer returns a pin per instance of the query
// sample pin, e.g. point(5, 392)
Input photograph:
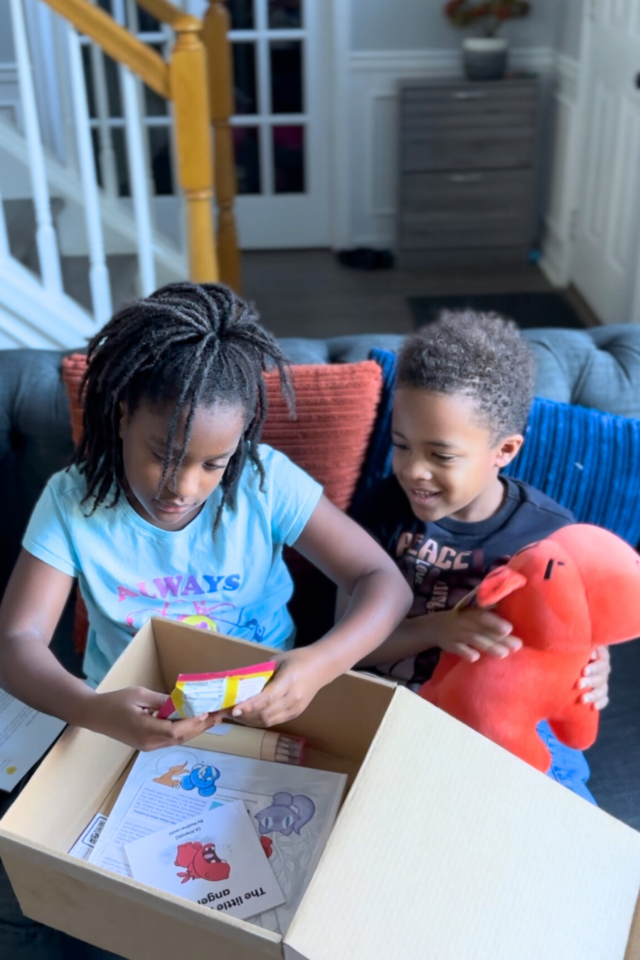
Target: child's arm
point(467, 633)
point(32, 605)
point(379, 598)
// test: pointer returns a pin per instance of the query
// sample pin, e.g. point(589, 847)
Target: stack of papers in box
point(215, 860)
point(292, 810)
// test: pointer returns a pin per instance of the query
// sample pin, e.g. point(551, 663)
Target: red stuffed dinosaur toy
point(577, 590)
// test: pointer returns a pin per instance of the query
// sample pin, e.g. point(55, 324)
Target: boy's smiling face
point(446, 460)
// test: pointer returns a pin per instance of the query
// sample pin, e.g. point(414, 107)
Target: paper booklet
point(25, 736)
point(292, 810)
point(215, 859)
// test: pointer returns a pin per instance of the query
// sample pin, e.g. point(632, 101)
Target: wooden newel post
point(215, 29)
point(189, 92)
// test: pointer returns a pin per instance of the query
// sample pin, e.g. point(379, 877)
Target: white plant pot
point(485, 58)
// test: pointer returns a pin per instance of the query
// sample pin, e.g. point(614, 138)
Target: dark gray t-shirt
point(444, 561)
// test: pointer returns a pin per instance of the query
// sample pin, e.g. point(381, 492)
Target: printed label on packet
point(197, 693)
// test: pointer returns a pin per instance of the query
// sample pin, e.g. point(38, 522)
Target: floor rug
point(527, 309)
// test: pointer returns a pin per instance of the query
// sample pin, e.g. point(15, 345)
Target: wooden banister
point(216, 26)
point(193, 145)
point(162, 10)
point(117, 42)
point(186, 81)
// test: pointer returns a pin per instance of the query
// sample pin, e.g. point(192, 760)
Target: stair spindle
point(46, 239)
point(138, 159)
point(98, 271)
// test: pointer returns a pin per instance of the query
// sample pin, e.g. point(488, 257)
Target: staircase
point(80, 212)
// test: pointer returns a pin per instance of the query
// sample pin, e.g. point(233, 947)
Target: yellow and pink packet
point(198, 693)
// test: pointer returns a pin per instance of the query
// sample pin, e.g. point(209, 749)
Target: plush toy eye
point(549, 570)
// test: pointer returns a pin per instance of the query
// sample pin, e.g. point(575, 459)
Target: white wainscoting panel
point(561, 215)
point(372, 105)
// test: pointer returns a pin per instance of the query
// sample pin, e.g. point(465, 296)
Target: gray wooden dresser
point(467, 171)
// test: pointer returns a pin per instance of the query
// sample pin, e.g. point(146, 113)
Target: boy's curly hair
point(480, 355)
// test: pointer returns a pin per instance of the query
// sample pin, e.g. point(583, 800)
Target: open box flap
point(449, 847)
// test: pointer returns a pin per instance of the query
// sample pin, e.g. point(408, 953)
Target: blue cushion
point(586, 460)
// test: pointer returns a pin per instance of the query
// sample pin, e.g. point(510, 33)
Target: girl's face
point(215, 434)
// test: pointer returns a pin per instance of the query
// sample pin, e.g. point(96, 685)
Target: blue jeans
point(568, 767)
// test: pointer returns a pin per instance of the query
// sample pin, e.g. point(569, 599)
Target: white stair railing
point(98, 271)
point(45, 232)
point(48, 157)
point(4, 236)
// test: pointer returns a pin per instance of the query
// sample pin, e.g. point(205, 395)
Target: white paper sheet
point(85, 844)
point(292, 810)
point(25, 735)
point(215, 860)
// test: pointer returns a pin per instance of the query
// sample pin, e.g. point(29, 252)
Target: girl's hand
point(595, 677)
point(472, 632)
point(299, 676)
point(127, 715)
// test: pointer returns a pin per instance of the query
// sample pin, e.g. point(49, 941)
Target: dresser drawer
point(447, 146)
point(465, 209)
point(469, 99)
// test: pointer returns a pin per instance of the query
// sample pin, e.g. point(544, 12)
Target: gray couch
point(597, 368)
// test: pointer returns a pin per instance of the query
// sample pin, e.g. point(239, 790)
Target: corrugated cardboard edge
point(633, 946)
point(289, 952)
point(304, 940)
point(130, 890)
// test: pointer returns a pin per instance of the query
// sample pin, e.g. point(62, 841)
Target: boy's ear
point(507, 449)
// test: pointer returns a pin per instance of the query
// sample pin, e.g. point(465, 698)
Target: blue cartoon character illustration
point(287, 814)
point(202, 778)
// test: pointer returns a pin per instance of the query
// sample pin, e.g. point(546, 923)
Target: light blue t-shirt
point(129, 570)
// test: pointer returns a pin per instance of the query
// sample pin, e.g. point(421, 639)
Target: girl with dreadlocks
point(173, 508)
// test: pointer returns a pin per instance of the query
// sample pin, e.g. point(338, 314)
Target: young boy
point(464, 387)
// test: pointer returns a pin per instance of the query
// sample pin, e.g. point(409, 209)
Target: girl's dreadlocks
point(184, 345)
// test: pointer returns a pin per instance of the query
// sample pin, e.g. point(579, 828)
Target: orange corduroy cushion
point(336, 406)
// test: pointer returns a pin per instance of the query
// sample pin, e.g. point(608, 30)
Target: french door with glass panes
point(280, 126)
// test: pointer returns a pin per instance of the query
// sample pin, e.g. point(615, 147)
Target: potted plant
point(485, 56)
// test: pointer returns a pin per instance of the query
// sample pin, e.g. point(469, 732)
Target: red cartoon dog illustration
point(200, 862)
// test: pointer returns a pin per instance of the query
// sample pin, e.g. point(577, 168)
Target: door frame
point(589, 16)
point(339, 98)
point(333, 89)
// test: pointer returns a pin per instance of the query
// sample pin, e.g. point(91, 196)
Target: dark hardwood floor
point(307, 293)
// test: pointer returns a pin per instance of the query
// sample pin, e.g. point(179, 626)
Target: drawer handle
point(468, 94)
point(465, 177)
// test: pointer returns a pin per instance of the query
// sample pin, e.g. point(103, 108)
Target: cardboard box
point(446, 847)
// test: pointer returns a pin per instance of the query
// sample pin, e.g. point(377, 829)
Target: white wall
point(565, 159)
point(6, 41)
point(392, 40)
point(570, 28)
point(420, 24)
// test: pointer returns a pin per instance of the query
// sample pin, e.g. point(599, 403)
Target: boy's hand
point(127, 715)
point(595, 677)
point(298, 677)
point(472, 632)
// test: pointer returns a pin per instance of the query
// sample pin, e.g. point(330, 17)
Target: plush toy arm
point(577, 726)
